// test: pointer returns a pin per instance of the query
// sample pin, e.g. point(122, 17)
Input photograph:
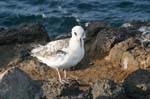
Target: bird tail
point(41, 59)
point(35, 50)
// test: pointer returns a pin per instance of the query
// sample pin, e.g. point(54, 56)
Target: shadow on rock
point(137, 84)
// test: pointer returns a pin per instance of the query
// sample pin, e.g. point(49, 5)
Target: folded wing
point(51, 49)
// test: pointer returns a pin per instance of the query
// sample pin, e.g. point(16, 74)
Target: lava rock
point(70, 87)
point(137, 84)
point(91, 29)
point(107, 89)
point(130, 54)
point(24, 33)
point(16, 43)
point(105, 40)
point(94, 26)
point(16, 84)
point(69, 90)
point(50, 88)
point(14, 53)
point(133, 28)
point(136, 24)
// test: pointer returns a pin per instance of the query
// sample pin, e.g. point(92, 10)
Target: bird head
point(78, 33)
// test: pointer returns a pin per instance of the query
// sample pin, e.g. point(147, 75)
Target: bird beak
point(80, 43)
point(84, 37)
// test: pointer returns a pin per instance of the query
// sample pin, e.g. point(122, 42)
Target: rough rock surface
point(16, 84)
point(70, 90)
point(16, 43)
point(138, 29)
point(92, 28)
point(135, 24)
point(105, 40)
point(101, 38)
point(137, 84)
point(23, 33)
point(130, 54)
point(50, 88)
point(11, 54)
point(107, 89)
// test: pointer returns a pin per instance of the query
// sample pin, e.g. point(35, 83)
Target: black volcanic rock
point(16, 43)
point(93, 27)
point(105, 40)
point(137, 84)
point(107, 89)
point(24, 33)
point(16, 84)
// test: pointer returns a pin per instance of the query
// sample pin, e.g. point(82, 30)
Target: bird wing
point(51, 49)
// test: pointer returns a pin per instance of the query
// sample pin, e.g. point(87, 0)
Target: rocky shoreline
point(116, 64)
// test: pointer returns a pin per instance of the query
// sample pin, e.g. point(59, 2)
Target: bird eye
point(75, 33)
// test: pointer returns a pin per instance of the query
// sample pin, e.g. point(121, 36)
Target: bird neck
point(76, 43)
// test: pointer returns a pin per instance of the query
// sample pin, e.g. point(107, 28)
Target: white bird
point(64, 53)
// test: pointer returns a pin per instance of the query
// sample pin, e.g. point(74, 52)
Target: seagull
point(63, 53)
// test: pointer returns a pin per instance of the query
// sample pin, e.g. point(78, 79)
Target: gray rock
point(24, 33)
point(16, 84)
point(94, 27)
point(101, 38)
point(105, 40)
point(107, 89)
point(137, 84)
point(136, 24)
point(135, 28)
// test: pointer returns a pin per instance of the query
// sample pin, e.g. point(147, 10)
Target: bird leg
point(65, 74)
point(59, 75)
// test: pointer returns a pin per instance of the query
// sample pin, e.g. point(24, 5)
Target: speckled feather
point(51, 49)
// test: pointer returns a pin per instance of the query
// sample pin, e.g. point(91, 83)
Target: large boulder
point(101, 37)
point(130, 54)
point(92, 28)
point(16, 84)
point(105, 40)
point(24, 33)
point(137, 84)
point(107, 89)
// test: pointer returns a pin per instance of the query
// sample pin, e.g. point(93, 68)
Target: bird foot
point(68, 81)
